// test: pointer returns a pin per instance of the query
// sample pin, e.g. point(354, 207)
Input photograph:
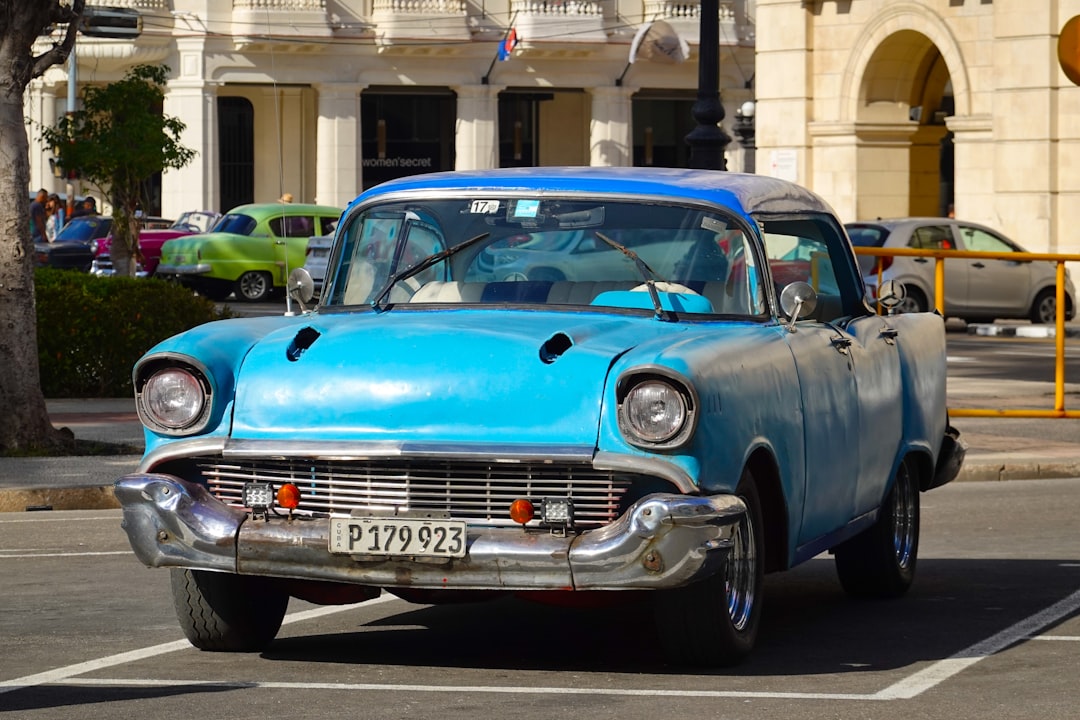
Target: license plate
point(397, 536)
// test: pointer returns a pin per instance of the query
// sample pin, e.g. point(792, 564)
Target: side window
point(982, 241)
point(327, 225)
point(294, 226)
point(423, 241)
point(814, 251)
point(931, 237)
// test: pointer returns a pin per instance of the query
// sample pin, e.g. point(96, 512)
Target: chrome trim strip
point(659, 467)
point(178, 449)
point(365, 450)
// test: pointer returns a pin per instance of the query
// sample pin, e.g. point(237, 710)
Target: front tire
point(1044, 309)
point(223, 612)
point(714, 622)
point(880, 561)
point(914, 301)
point(254, 286)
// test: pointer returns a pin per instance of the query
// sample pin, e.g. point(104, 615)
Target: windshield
point(85, 229)
point(193, 221)
point(548, 251)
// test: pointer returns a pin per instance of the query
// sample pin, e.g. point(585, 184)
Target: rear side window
point(867, 235)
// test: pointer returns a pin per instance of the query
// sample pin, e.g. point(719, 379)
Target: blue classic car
point(688, 413)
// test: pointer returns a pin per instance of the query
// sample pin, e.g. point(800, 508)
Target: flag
point(508, 44)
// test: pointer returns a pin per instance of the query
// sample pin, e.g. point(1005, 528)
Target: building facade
point(324, 98)
point(908, 107)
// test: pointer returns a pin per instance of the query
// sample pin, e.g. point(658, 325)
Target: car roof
point(747, 193)
point(265, 209)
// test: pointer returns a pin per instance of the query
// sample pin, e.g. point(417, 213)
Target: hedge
point(91, 330)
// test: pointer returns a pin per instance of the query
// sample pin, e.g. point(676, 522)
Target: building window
point(406, 132)
point(236, 150)
point(661, 123)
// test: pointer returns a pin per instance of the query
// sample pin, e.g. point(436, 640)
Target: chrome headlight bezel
point(650, 386)
point(191, 389)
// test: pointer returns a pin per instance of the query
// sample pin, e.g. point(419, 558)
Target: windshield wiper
point(420, 267)
point(647, 273)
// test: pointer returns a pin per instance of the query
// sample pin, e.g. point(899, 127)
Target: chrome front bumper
point(663, 540)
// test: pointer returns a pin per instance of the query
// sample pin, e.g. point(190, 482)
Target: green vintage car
point(250, 251)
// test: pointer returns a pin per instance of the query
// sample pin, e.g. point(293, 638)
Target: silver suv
point(974, 289)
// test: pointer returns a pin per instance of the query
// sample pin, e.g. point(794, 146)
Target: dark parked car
point(75, 244)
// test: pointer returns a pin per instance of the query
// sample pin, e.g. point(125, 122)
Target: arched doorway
point(905, 155)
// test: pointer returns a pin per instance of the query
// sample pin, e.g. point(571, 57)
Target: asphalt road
point(990, 630)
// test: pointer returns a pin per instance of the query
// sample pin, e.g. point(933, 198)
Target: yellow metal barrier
point(939, 256)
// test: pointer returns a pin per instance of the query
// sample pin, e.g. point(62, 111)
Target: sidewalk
point(998, 448)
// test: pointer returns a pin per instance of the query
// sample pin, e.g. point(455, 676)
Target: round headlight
point(174, 398)
point(655, 411)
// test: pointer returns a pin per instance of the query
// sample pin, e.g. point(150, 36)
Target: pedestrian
point(37, 216)
point(87, 207)
point(285, 198)
point(54, 212)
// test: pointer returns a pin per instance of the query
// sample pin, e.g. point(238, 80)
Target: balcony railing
point(418, 19)
point(255, 20)
point(562, 20)
point(736, 24)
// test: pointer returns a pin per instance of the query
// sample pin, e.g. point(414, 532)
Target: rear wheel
point(714, 622)
point(225, 612)
point(880, 561)
point(254, 286)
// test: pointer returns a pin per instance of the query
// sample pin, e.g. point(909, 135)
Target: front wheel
point(1044, 309)
point(914, 301)
point(224, 612)
point(254, 286)
point(880, 561)
point(714, 622)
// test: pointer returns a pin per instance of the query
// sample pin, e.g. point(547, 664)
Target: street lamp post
point(708, 140)
point(744, 130)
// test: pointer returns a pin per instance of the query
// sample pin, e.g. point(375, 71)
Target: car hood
point(448, 379)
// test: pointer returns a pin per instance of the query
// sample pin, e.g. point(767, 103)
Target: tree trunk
point(26, 420)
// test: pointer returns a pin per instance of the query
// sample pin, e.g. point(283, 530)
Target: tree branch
point(59, 53)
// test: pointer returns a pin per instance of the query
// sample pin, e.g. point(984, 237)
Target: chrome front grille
point(473, 491)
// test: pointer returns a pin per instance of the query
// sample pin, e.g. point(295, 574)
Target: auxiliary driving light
point(558, 512)
point(288, 496)
point(258, 496)
point(521, 511)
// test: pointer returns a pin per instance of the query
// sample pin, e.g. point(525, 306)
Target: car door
point(994, 287)
point(850, 380)
point(938, 236)
point(290, 233)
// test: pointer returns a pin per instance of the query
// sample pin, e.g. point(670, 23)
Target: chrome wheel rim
point(253, 285)
point(903, 515)
point(741, 572)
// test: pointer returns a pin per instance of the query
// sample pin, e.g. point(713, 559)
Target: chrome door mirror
point(798, 300)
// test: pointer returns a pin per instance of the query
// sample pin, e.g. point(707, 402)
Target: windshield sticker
point(526, 208)
point(484, 207)
point(708, 223)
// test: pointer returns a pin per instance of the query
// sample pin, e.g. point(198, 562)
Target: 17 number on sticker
point(484, 207)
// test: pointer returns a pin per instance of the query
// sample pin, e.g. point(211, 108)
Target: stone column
point(477, 128)
point(338, 161)
point(40, 110)
point(611, 138)
point(194, 101)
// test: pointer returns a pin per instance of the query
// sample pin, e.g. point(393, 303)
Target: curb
point(1023, 331)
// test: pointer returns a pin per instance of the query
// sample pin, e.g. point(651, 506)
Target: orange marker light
point(521, 511)
point(288, 496)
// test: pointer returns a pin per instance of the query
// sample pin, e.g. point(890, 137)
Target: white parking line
point(4, 554)
point(906, 689)
point(65, 674)
point(942, 670)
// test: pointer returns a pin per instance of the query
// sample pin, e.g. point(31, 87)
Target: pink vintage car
point(151, 239)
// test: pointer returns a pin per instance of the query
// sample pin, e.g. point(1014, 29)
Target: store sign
point(399, 162)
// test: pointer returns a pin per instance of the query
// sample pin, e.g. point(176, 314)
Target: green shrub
point(91, 330)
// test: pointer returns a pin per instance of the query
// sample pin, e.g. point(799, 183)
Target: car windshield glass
point(194, 221)
point(236, 223)
point(84, 229)
point(547, 251)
